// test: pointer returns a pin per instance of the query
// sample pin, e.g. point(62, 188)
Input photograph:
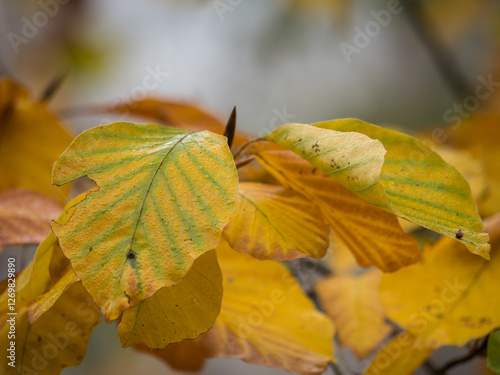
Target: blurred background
point(405, 64)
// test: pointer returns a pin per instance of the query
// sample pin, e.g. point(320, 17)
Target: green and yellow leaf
point(164, 197)
point(494, 351)
point(420, 187)
point(178, 312)
point(271, 222)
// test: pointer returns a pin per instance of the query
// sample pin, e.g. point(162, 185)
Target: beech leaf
point(164, 196)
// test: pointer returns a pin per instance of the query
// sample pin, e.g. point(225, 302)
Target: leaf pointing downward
point(165, 195)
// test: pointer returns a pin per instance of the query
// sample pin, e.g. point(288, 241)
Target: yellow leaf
point(25, 216)
point(59, 337)
point(31, 139)
point(182, 356)
point(372, 234)
point(266, 319)
point(446, 299)
point(164, 197)
point(398, 357)
point(271, 222)
point(420, 187)
point(178, 312)
point(354, 306)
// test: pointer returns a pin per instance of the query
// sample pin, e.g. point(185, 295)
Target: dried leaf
point(25, 216)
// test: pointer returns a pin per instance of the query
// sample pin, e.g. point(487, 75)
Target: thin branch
point(52, 87)
point(443, 59)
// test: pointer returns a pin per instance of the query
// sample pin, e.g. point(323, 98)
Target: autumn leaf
point(446, 298)
point(182, 356)
point(420, 187)
point(271, 222)
point(399, 356)
point(354, 306)
point(31, 139)
point(183, 115)
point(25, 216)
point(266, 319)
point(54, 319)
point(178, 312)
point(372, 234)
point(164, 197)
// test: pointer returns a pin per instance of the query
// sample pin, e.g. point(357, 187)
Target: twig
point(443, 59)
point(52, 87)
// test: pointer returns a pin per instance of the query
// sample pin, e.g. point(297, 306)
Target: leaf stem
point(244, 146)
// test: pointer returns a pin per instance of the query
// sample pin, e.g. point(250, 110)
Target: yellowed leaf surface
point(271, 222)
point(31, 139)
point(178, 312)
point(25, 216)
point(266, 319)
point(446, 299)
point(372, 234)
point(398, 357)
point(164, 197)
point(419, 186)
point(65, 316)
point(355, 308)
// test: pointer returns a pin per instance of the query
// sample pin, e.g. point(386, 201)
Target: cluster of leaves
point(180, 240)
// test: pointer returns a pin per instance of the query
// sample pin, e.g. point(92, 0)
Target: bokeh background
point(277, 61)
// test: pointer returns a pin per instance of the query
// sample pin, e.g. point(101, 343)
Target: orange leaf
point(25, 216)
point(373, 235)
